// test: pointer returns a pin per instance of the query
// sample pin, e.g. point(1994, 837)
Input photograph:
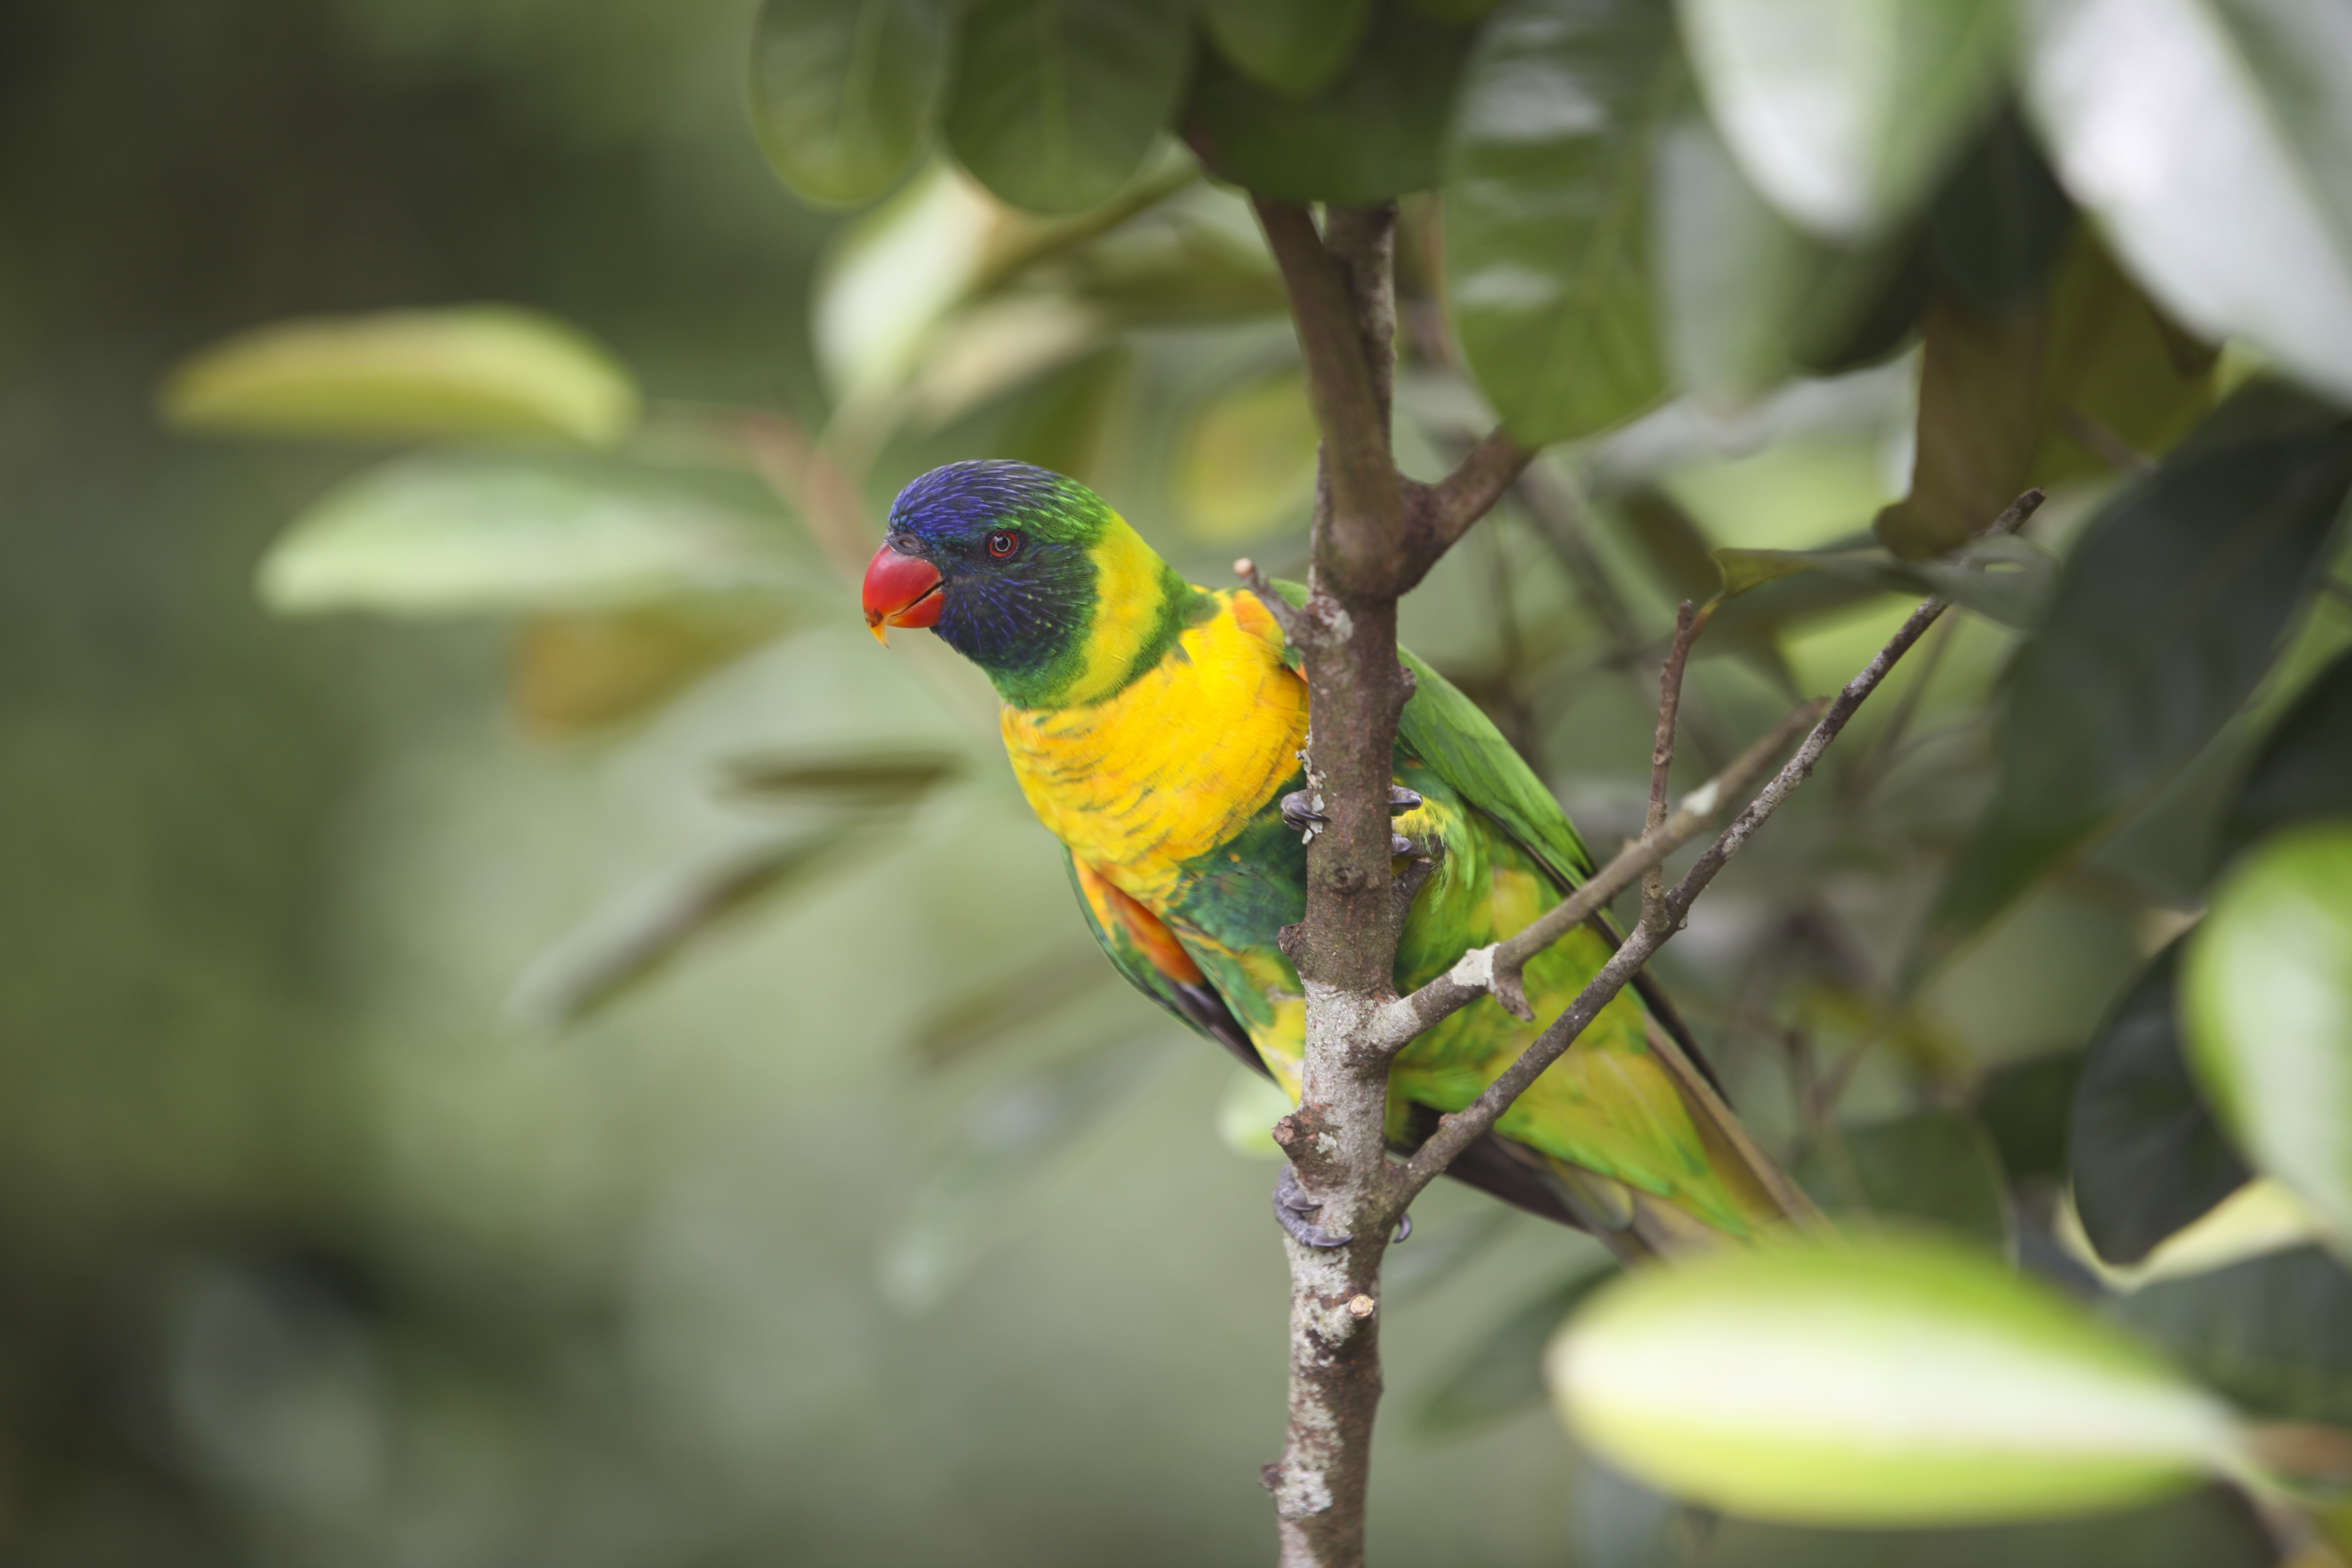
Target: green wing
point(1445, 729)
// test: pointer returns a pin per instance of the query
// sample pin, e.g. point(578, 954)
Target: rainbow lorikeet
point(1156, 728)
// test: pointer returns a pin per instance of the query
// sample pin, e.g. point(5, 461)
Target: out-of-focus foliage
point(1811, 289)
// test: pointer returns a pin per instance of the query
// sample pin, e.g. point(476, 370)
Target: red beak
point(901, 591)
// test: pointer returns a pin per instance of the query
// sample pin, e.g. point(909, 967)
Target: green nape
point(1132, 610)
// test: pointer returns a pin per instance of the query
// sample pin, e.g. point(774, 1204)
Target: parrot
point(1158, 730)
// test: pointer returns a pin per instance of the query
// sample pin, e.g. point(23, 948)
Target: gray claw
point(1404, 1228)
point(1400, 845)
point(1401, 800)
point(1299, 813)
point(1291, 1208)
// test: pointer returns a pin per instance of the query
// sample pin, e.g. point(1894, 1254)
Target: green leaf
point(846, 94)
point(1980, 388)
point(454, 534)
point(2146, 1157)
point(1547, 226)
point(1057, 102)
point(2003, 579)
point(2266, 999)
point(1997, 228)
point(2168, 611)
point(2304, 768)
point(885, 780)
point(1292, 45)
point(1503, 1374)
point(399, 375)
point(2274, 1333)
point(1845, 112)
point(1372, 134)
point(2209, 137)
point(2023, 1108)
point(1744, 296)
point(580, 672)
point(1937, 1167)
point(1877, 1383)
point(2116, 363)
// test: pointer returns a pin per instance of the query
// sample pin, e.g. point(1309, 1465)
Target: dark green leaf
point(2273, 1333)
point(2168, 612)
point(2002, 579)
point(2147, 1157)
point(1846, 115)
point(2000, 223)
point(1453, 12)
point(1503, 1373)
point(2304, 769)
point(1979, 385)
point(846, 94)
point(2208, 138)
point(1936, 1167)
point(2023, 1108)
point(1292, 45)
point(1057, 102)
point(1372, 134)
point(2121, 382)
point(1547, 226)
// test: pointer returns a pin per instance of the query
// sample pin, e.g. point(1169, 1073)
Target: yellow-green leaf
point(2266, 992)
point(473, 371)
point(1898, 1382)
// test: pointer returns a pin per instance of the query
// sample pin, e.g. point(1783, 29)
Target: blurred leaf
point(2022, 1107)
point(581, 673)
point(2210, 1528)
point(967, 1202)
point(1546, 199)
point(636, 936)
point(2304, 769)
point(2261, 1218)
point(2003, 579)
point(1998, 225)
point(1979, 381)
point(1937, 1166)
point(1187, 264)
point(1064, 422)
point(451, 534)
point(2266, 1000)
point(2168, 611)
point(846, 93)
point(1453, 12)
point(1057, 102)
point(2116, 362)
point(892, 274)
point(2274, 1333)
point(1017, 997)
point(1248, 460)
point(1503, 1373)
point(1875, 1383)
point(886, 779)
point(1744, 295)
point(1246, 1112)
point(1373, 133)
point(2209, 137)
point(1292, 45)
point(1845, 112)
point(398, 375)
point(2146, 1157)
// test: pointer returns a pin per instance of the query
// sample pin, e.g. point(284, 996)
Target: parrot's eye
point(1002, 544)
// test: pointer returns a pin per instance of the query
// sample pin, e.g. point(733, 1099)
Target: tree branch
point(1662, 750)
point(1443, 512)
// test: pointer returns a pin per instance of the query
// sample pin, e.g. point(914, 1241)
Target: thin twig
point(1662, 750)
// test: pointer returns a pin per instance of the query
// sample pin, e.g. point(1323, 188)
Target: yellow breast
point(1177, 762)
